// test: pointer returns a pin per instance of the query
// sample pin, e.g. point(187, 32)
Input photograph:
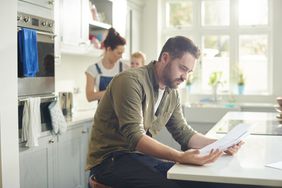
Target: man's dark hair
point(177, 46)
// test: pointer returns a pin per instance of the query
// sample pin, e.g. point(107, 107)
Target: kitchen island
point(247, 167)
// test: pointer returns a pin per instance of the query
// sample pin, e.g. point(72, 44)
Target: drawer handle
point(51, 141)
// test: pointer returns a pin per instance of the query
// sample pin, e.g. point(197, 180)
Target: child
point(137, 59)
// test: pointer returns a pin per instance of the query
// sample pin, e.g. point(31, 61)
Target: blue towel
point(28, 52)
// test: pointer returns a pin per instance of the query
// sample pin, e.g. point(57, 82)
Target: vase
point(241, 89)
point(189, 88)
point(214, 92)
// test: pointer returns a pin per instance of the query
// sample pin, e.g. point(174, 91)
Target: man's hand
point(234, 149)
point(193, 156)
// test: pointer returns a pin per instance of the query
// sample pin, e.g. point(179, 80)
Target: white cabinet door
point(43, 3)
point(74, 24)
point(58, 161)
point(37, 164)
point(87, 127)
point(71, 157)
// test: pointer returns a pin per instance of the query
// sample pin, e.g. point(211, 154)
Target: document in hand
point(234, 136)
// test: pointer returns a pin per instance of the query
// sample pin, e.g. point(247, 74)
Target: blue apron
point(105, 80)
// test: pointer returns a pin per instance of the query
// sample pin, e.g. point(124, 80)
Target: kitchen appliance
point(44, 112)
point(44, 81)
point(66, 101)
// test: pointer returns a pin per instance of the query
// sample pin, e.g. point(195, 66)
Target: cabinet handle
point(51, 2)
point(84, 131)
point(82, 43)
point(51, 141)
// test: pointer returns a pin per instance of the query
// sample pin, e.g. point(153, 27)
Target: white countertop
point(81, 116)
point(246, 167)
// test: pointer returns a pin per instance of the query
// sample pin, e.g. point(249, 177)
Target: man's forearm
point(198, 141)
point(150, 146)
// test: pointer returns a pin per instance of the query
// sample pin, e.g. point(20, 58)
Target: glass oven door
point(44, 80)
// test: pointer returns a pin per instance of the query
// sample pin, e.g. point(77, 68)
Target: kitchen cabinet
point(42, 3)
point(76, 26)
point(73, 25)
point(37, 164)
point(58, 161)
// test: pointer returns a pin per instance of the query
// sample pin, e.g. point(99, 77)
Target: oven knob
point(19, 18)
point(50, 24)
point(44, 23)
point(26, 19)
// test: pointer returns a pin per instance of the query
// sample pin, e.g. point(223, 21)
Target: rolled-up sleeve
point(179, 128)
point(126, 95)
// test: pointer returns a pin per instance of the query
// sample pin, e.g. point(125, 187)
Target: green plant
point(190, 80)
point(238, 76)
point(241, 79)
point(215, 78)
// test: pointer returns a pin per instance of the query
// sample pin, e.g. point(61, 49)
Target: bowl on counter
point(279, 101)
point(278, 108)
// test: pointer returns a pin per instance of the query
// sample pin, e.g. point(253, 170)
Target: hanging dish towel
point(28, 52)
point(31, 128)
point(58, 120)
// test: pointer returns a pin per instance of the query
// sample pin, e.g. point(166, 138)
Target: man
point(140, 101)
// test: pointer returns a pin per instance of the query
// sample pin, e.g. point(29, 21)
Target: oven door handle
point(42, 33)
point(45, 33)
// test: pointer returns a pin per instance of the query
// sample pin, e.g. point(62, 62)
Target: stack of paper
point(233, 137)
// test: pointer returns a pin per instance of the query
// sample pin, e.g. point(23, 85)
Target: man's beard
point(169, 81)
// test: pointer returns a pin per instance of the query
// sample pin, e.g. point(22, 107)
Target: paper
point(277, 165)
point(233, 137)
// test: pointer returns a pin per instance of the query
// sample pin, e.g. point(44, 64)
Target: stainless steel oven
point(44, 81)
point(44, 112)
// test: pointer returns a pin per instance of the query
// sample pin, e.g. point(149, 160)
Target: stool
point(95, 184)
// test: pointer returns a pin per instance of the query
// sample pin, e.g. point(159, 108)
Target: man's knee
point(95, 184)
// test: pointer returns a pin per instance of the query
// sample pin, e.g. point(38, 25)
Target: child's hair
point(139, 54)
point(113, 39)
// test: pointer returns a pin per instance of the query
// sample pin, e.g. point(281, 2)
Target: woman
point(99, 75)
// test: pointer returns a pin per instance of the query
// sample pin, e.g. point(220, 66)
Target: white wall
point(70, 74)
point(9, 148)
point(151, 31)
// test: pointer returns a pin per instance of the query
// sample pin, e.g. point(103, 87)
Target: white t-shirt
point(92, 70)
point(161, 93)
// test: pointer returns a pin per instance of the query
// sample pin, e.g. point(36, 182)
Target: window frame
point(196, 31)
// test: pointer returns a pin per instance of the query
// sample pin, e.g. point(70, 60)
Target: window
point(234, 40)
point(180, 13)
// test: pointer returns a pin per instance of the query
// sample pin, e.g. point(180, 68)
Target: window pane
point(253, 12)
point(215, 58)
point(253, 60)
point(215, 13)
point(180, 13)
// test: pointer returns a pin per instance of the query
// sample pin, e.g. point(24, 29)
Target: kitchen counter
point(245, 168)
point(81, 116)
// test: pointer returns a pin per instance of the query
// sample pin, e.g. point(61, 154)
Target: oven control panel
point(35, 22)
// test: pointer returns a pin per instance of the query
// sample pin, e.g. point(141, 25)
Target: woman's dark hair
point(177, 46)
point(113, 39)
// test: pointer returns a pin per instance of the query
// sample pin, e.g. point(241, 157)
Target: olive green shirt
point(126, 112)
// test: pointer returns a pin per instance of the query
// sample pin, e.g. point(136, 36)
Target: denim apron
point(105, 80)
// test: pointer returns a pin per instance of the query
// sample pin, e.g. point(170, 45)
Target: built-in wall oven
point(42, 84)
point(44, 80)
